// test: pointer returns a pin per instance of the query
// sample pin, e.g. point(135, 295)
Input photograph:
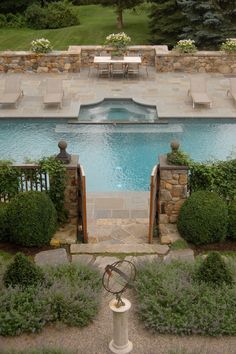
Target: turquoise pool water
point(117, 110)
point(117, 157)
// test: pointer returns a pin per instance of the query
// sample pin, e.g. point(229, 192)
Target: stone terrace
point(166, 90)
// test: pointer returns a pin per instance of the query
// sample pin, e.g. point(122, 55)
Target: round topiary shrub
point(203, 218)
point(232, 220)
point(32, 219)
point(214, 271)
point(4, 230)
point(23, 273)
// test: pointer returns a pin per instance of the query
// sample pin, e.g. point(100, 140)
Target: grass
point(96, 22)
point(179, 245)
point(5, 256)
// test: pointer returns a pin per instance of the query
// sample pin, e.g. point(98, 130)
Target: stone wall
point(71, 190)
point(147, 52)
point(55, 62)
point(77, 56)
point(173, 190)
point(200, 62)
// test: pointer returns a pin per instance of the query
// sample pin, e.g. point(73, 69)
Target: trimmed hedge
point(32, 219)
point(232, 220)
point(214, 271)
point(29, 275)
point(203, 218)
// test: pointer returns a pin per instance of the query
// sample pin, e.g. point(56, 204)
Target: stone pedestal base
point(120, 343)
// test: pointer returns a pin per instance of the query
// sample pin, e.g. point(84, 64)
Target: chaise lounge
point(12, 91)
point(54, 92)
point(198, 91)
point(232, 89)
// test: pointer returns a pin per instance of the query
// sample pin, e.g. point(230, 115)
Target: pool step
point(143, 248)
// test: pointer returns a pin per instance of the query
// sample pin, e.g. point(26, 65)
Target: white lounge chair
point(12, 91)
point(198, 91)
point(232, 88)
point(53, 93)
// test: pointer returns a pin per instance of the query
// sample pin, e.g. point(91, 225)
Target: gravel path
point(95, 338)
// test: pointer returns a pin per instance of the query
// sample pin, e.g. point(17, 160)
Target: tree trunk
point(119, 19)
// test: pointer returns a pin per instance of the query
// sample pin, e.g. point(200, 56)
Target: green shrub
point(54, 15)
point(214, 271)
point(232, 220)
point(170, 301)
point(178, 158)
point(32, 219)
point(69, 294)
point(36, 16)
point(3, 21)
point(4, 229)
point(61, 14)
point(22, 273)
point(15, 20)
point(203, 218)
point(22, 311)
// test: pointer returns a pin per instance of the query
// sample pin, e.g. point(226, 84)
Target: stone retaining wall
point(54, 62)
point(200, 62)
point(77, 56)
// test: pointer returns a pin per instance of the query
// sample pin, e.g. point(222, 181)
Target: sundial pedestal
point(120, 343)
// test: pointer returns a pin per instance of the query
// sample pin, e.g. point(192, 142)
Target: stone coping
point(165, 166)
point(202, 53)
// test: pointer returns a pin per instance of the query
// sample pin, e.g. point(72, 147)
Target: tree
point(120, 6)
point(166, 22)
point(206, 23)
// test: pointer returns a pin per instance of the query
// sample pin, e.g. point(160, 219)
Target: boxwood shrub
point(232, 220)
point(203, 218)
point(29, 275)
point(32, 219)
point(4, 229)
point(214, 271)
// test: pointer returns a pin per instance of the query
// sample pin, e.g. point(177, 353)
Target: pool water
point(117, 158)
point(117, 110)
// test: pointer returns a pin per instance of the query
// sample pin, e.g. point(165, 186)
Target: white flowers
point(229, 45)
point(186, 46)
point(41, 45)
point(118, 40)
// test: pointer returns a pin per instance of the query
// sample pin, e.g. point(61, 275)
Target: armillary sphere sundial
point(118, 277)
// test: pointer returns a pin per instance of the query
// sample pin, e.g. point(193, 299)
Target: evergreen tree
point(120, 6)
point(166, 22)
point(206, 23)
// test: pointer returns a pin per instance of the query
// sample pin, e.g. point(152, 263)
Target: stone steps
point(143, 248)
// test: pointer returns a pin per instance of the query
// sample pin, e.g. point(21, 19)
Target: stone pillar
point(71, 190)
point(172, 192)
point(120, 343)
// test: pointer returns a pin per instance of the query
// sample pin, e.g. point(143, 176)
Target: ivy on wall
point(219, 177)
point(10, 181)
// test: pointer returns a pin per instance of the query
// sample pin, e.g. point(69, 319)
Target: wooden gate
point(82, 211)
point(154, 190)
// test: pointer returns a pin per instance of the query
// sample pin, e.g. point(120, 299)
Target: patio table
point(124, 60)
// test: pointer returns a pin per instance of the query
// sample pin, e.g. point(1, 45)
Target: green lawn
point(96, 23)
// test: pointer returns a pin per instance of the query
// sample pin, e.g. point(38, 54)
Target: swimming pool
point(117, 158)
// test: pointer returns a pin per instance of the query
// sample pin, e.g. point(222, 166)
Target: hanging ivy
point(57, 172)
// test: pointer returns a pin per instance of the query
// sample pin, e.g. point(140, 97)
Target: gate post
point(172, 194)
point(71, 190)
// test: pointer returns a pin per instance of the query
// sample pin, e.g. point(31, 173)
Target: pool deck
point(168, 91)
